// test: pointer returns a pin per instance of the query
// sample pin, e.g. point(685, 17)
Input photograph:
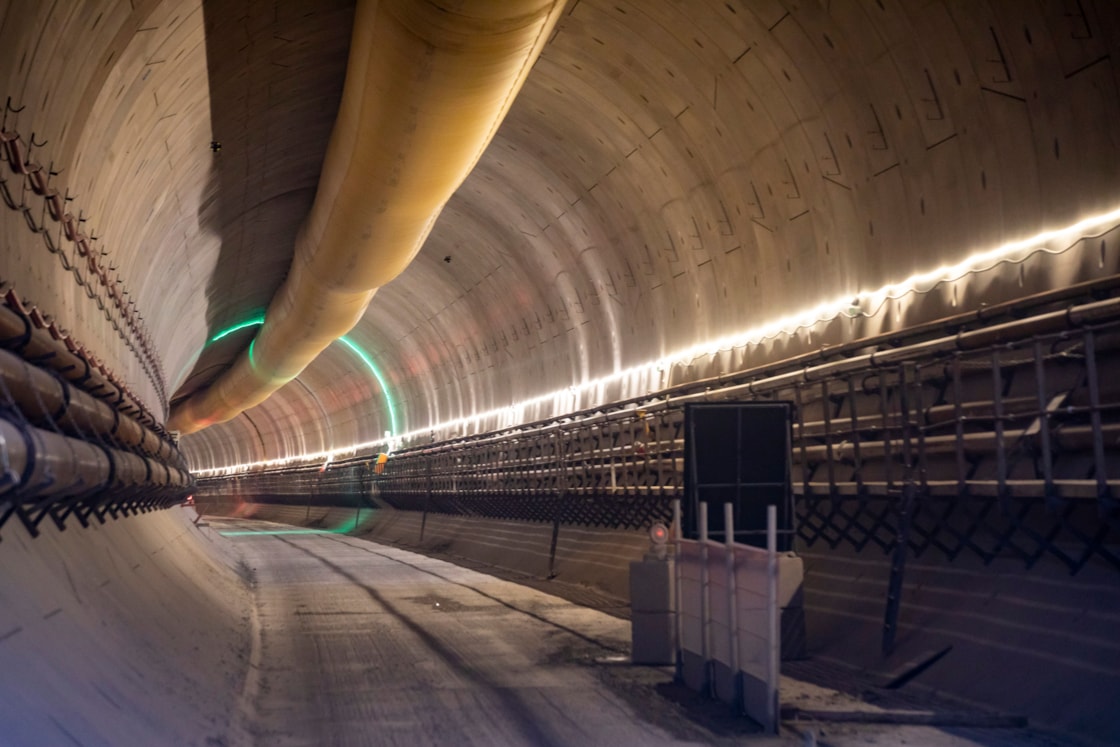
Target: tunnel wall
point(1038, 643)
point(132, 632)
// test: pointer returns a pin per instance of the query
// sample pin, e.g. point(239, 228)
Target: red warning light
point(659, 534)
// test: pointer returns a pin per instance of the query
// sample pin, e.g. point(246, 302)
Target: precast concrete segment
point(1050, 634)
point(366, 644)
point(671, 172)
point(425, 92)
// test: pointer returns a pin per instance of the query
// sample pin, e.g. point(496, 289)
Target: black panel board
point(739, 453)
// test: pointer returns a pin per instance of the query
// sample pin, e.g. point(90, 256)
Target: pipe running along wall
point(46, 399)
point(63, 452)
point(427, 85)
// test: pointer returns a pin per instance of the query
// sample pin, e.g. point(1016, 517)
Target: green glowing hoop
point(362, 354)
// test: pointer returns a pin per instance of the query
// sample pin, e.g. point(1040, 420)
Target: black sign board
point(738, 453)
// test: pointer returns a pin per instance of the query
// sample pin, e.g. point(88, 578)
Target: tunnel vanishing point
point(248, 246)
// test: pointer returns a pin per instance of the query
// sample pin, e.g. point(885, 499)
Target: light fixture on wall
point(864, 303)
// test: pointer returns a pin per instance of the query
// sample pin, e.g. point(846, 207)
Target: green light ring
point(237, 328)
point(256, 321)
point(344, 528)
point(380, 380)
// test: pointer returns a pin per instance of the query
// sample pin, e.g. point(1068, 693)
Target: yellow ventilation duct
point(427, 85)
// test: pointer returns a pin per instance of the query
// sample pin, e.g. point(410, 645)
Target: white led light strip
point(865, 303)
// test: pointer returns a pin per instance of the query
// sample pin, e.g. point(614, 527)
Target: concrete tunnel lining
point(670, 175)
point(602, 230)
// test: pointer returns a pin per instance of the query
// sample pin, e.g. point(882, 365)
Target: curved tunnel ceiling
point(671, 174)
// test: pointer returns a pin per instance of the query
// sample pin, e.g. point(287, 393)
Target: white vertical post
point(772, 661)
point(677, 601)
point(732, 605)
point(705, 600)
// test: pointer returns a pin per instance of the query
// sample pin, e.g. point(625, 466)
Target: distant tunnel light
point(865, 303)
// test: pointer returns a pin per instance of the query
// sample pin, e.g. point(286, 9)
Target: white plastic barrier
point(729, 641)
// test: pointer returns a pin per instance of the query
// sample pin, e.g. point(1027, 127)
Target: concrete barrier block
point(651, 586)
point(652, 637)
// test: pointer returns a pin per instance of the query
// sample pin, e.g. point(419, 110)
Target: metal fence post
point(732, 603)
point(705, 601)
point(1053, 502)
point(677, 583)
point(1104, 500)
point(773, 673)
point(558, 508)
point(998, 422)
point(427, 497)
